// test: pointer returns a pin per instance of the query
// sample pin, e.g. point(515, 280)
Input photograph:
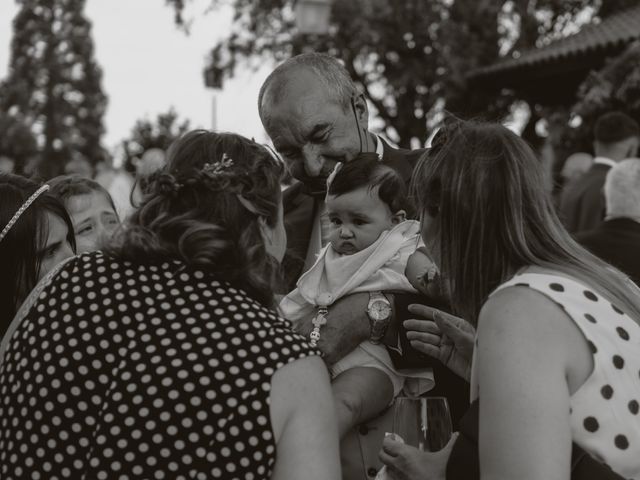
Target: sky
point(149, 65)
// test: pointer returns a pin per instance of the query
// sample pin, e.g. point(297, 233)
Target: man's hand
point(442, 336)
point(347, 325)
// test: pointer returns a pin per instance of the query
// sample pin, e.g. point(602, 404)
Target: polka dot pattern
point(604, 411)
point(141, 371)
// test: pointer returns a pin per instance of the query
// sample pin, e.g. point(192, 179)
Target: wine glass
point(423, 422)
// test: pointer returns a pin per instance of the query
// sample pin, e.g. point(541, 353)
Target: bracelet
point(318, 321)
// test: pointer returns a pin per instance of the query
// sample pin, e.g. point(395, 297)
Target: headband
point(22, 209)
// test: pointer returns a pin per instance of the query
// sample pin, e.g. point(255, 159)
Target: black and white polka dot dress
point(605, 418)
point(121, 371)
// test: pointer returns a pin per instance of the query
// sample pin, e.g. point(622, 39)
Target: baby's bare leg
point(360, 394)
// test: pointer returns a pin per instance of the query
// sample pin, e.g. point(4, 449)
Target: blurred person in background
point(79, 165)
point(576, 165)
point(119, 183)
point(91, 208)
point(36, 234)
point(164, 355)
point(7, 164)
point(151, 161)
point(617, 239)
point(582, 203)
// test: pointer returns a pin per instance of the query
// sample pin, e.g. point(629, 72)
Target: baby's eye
point(335, 221)
point(359, 222)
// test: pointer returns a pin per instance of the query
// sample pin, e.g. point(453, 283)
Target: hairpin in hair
point(216, 168)
point(22, 209)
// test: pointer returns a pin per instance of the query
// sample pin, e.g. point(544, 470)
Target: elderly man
point(617, 239)
point(581, 203)
point(316, 118)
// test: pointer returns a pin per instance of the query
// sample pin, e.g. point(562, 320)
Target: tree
point(615, 87)
point(54, 82)
point(409, 57)
point(147, 134)
point(16, 142)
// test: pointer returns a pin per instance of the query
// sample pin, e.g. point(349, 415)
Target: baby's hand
point(421, 272)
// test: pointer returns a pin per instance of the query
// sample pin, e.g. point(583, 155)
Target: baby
point(370, 243)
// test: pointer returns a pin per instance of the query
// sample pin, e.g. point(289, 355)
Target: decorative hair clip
point(22, 209)
point(216, 168)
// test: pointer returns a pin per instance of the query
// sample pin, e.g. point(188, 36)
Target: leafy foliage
point(16, 141)
point(408, 56)
point(615, 87)
point(54, 82)
point(147, 134)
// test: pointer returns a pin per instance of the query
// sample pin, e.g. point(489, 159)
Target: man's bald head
point(339, 86)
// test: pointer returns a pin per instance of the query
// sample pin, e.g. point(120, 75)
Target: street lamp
point(312, 16)
point(213, 78)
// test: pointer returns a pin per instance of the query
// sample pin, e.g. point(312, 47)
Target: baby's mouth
point(347, 248)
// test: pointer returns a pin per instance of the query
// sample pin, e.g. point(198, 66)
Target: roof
point(611, 34)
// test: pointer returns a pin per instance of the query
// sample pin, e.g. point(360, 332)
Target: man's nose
point(313, 160)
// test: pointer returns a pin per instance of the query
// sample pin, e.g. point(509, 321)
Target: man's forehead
point(300, 126)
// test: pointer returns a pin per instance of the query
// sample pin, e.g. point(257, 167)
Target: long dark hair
point(484, 187)
point(193, 211)
point(19, 248)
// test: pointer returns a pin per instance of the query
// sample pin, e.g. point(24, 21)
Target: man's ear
point(362, 110)
point(398, 217)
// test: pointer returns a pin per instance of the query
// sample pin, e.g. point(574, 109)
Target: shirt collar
point(379, 147)
point(604, 161)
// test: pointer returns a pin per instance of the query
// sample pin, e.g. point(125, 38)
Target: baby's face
point(357, 219)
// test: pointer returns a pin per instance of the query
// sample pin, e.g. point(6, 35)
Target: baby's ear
point(398, 217)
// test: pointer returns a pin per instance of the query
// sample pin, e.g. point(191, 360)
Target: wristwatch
point(379, 313)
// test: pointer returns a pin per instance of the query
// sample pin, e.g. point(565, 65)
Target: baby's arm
point(360, 394)
point(420, 270)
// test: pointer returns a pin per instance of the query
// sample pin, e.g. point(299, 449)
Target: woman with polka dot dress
point(556, 363)
point(162, 357)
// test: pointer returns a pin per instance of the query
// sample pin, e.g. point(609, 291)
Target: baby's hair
point(366, 170)
point(66, 186)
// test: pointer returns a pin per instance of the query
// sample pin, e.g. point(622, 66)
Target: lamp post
point(312, 16)
point(213, 79)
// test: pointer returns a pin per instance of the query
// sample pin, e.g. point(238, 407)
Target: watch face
point(379, 310)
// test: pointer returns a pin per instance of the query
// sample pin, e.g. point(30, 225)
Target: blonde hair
point(484, 187)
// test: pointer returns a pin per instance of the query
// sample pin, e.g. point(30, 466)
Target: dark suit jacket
point(582, 202)
point(616, 242)
point(300, 211)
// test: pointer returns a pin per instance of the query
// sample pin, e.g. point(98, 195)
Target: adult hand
point(405, 462)
point(347, 325)
point(442, 336)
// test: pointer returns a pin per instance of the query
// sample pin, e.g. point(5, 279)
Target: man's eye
point(321, 138)
point(288, 153)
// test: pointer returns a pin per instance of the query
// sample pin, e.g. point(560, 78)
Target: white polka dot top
point(605, 418)
point(121, 371)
